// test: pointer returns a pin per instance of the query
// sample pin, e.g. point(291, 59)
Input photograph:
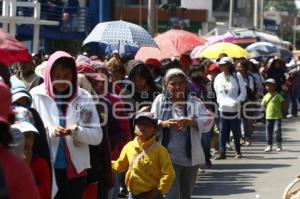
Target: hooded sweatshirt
point(69, 152)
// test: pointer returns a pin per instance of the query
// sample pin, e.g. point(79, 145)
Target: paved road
point(257, 175)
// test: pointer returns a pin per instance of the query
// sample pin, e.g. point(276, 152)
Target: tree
point(282, 5)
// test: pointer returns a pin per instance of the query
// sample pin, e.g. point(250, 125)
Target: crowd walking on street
point(86, 126)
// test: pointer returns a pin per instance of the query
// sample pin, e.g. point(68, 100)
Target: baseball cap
point(147, 116)
point(212, 68)
point(271, 81)
point(225, 60)
point(152, 62)
point(89, 72)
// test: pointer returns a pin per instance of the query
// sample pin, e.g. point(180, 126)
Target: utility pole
point(255, 11)
point(151, 17)
point(295, 30)
point(231, 13)
point(140, 12)
point(261, 14)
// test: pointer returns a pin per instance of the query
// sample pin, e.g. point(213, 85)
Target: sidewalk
point(258, 174)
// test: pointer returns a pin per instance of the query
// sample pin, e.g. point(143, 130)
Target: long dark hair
point(143, 71)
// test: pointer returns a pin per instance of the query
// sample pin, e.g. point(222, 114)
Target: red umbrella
point(11, 50)
point(171, 44)
point(148, 52)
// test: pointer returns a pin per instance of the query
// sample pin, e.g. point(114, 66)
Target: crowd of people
point(84, 127)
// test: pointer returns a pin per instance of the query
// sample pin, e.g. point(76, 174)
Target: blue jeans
point(116, 189)
point(293, 102)
point(141, 197)
point(206, 144)
point(273, 126)
point(230, 123)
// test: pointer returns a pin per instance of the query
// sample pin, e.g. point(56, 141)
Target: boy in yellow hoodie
point(150, 173)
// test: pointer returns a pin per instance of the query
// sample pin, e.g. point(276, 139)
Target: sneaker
point(268, 148)
point(247, 143)
point(229, 147)
point(238, 156)
point(123, 193)
point(279, 148)
point(221, 156)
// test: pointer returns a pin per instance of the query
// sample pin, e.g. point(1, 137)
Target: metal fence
point(71, 19)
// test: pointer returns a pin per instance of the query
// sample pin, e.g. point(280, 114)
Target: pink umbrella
point(220, 38)
point(148, 52)
point(211, 40)
point(196, 51)
point(172, 43)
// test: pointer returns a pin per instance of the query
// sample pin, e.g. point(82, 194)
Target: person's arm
point(217, 88)
point(121, 164)
point(156, 107)
point(167, 171)
point(204, 119)
point(263, 102)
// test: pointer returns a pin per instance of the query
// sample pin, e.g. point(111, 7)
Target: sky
point(297, 3)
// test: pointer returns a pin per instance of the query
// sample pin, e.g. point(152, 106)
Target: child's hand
point(152, 194)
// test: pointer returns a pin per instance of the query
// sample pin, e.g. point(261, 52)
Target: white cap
point(254, 61)
point(39, 70)
point(271, 81)
point(174, 72)
point(25, 127)
point(225, 60)
point(291, 64)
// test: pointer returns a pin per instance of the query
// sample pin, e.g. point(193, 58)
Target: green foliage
point(288, 34)
point(282, 5)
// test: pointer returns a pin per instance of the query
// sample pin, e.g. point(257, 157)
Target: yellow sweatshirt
point(153, 170)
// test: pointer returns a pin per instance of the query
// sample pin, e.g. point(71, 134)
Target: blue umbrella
point(263, 49)
point(120, 35)
point(285, 54)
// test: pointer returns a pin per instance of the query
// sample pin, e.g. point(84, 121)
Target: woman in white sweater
point(72, 123)
point(182, 119)
point(231, 92)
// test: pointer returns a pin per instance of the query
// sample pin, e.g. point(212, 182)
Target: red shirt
point(18, 177)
